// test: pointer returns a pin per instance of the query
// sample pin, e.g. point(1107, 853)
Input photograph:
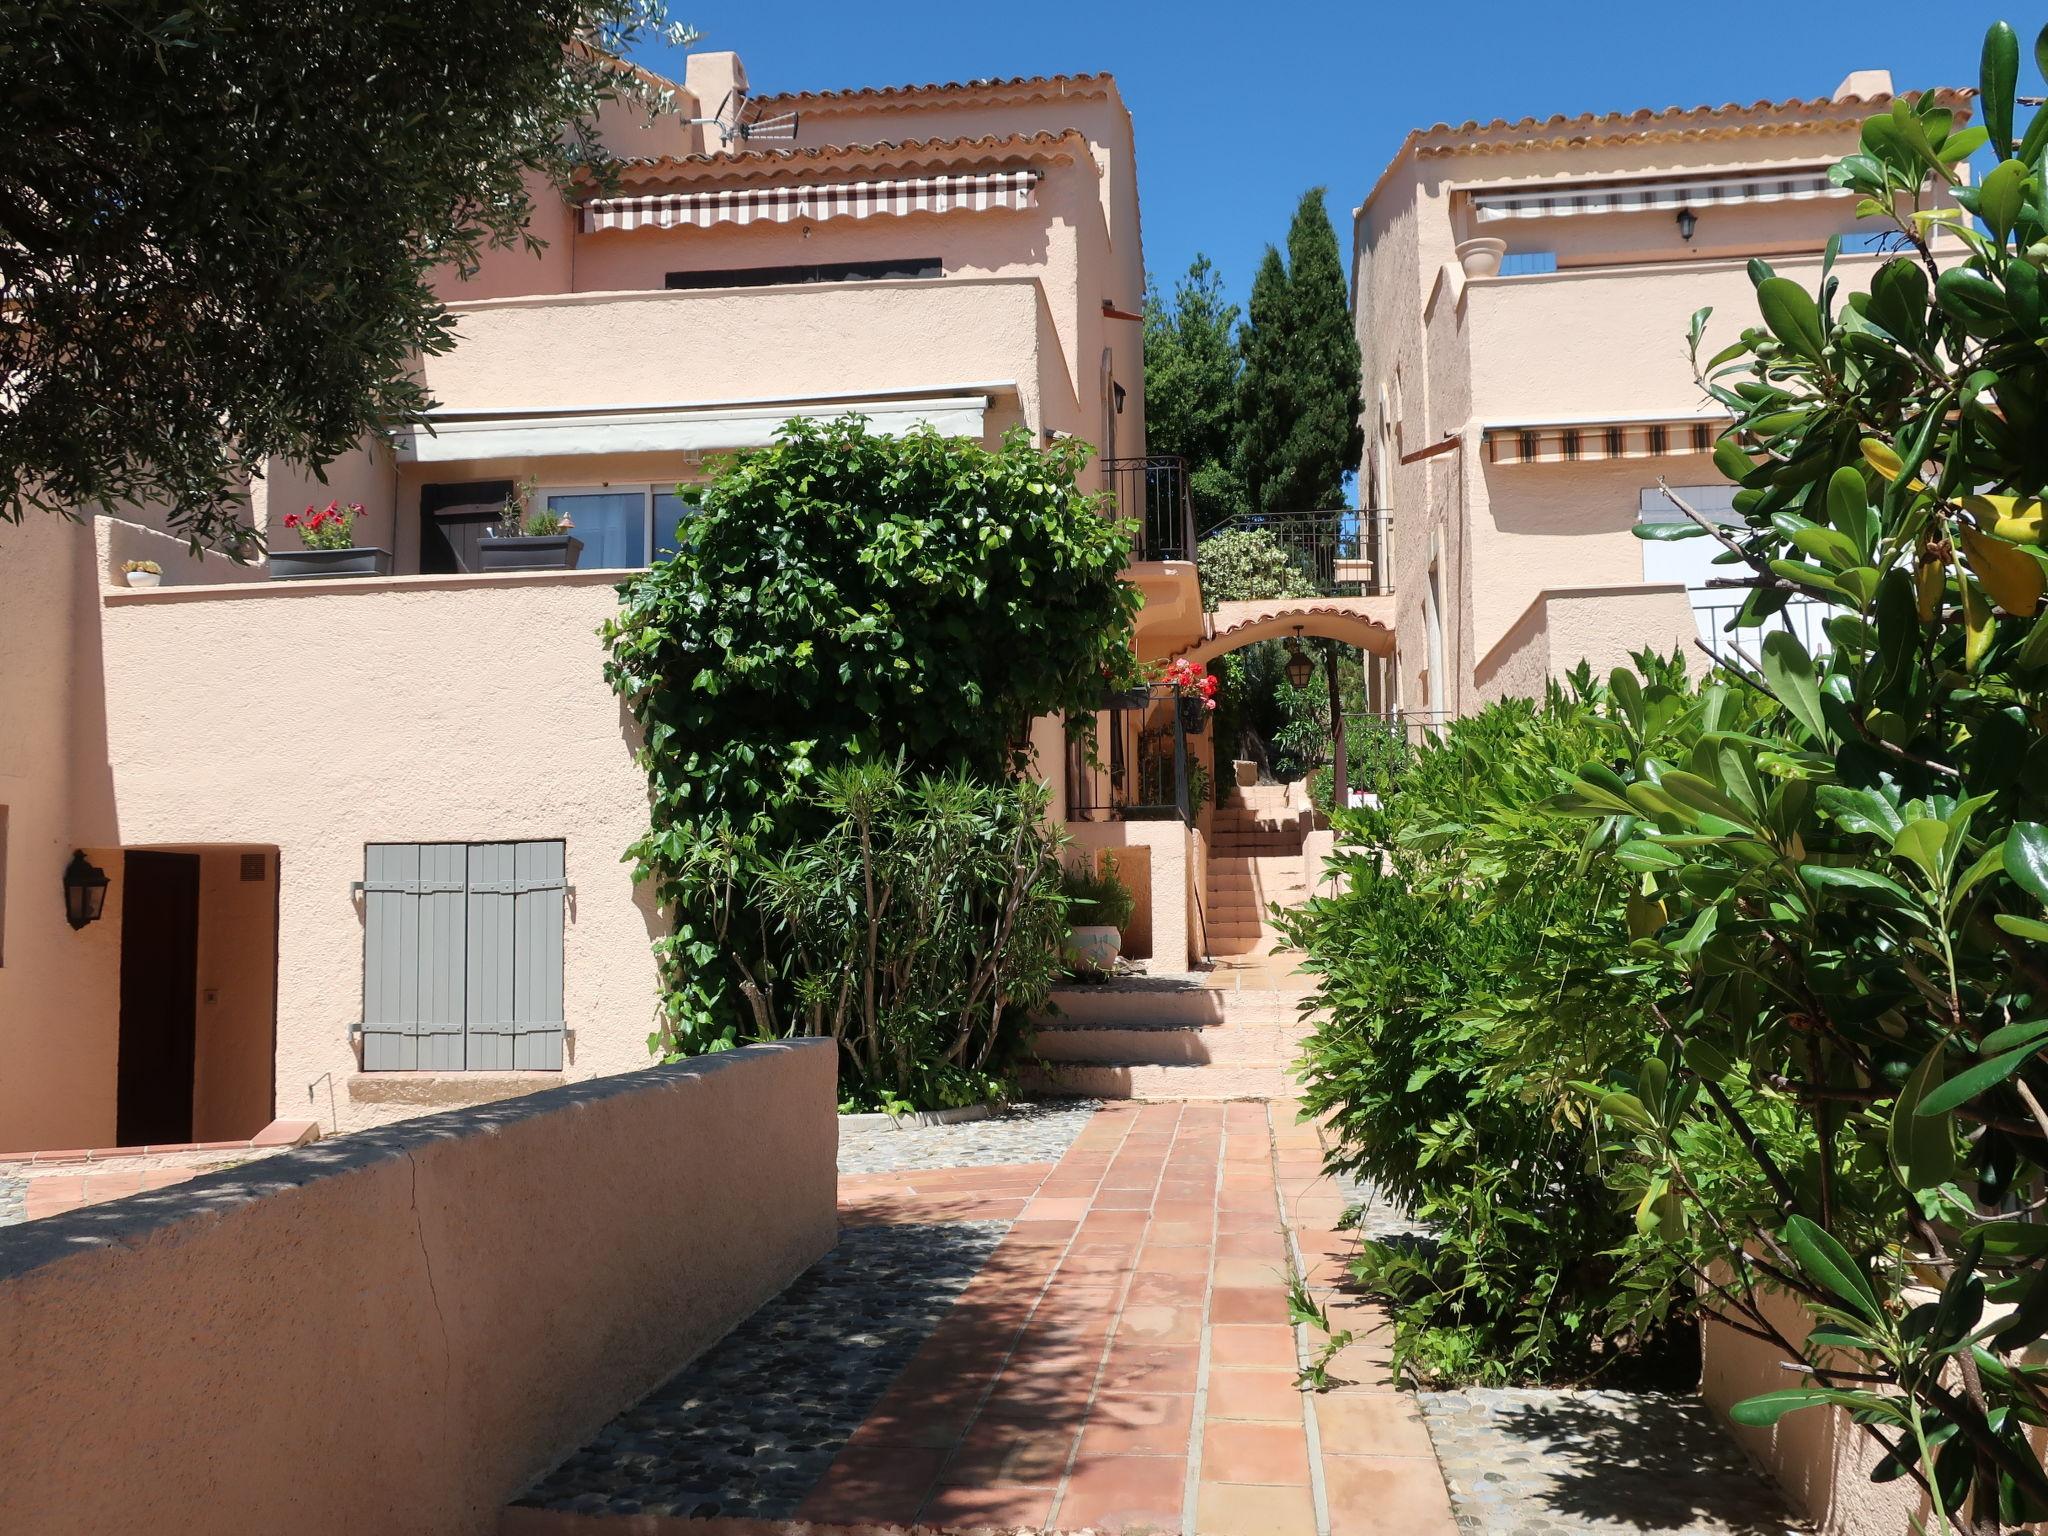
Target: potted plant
point(1195, 693)
point(529, 540)
point(329, 536)
point(142, 573)
point(1099, 908)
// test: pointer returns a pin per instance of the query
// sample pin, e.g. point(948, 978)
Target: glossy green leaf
point(1922, 1146)
point(2002, 197)
point(1767, 1408)
point(2026, 858)
point(1827, 1264)
point(1789, 671)
point(1794, 318)
point(1971, 1081)
point(1998, 73)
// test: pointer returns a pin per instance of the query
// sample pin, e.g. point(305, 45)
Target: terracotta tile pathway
point(1124, 1361)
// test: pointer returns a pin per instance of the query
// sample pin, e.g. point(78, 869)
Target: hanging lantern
point(85, 890)
point(1299, 667)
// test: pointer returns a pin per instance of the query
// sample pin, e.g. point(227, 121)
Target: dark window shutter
point(453, 517)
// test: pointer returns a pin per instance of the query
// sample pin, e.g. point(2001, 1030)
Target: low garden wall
point(394, 1331)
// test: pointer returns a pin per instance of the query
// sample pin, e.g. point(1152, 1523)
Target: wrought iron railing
point(1344, 551)
point(1744, 647)
point(1153, 493)
point(1136, 767)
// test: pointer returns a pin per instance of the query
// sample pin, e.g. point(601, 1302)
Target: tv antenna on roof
point(739, 119)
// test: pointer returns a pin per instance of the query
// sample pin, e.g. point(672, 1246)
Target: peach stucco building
point(1522, 293)
point(363, 835)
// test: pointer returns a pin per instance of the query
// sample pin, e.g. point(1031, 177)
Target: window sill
point(446, 1090)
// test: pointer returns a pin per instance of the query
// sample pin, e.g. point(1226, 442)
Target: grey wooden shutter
point(537, 991)
point(515, 956)
point(413, 896)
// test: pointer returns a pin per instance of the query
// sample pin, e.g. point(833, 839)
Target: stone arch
point(1366, 623)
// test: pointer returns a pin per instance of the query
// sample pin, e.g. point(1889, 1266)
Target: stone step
point(1233, 1044)
point(1149, 1081)
point(1151, 1002)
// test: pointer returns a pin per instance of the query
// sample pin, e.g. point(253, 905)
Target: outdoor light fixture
point(1120, 393)
point(1688, 221)
point(85, 890)
point(1299, 668)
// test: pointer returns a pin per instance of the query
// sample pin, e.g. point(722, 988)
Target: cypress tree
point(1298, 399)
point(1191, 387)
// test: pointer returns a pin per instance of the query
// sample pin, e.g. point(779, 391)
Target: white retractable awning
point(474, 435)
point(800, 202)
point(1565, 199)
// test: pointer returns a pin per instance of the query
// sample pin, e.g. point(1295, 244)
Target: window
point(1527, 263)
point(1866, 242)
point(462, 957)
point(618, 524)
point(827, 272)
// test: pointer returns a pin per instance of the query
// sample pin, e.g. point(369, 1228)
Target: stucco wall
point(1818, 1457)
point(464, 709)
point(395, 1332)
point(1601, 626)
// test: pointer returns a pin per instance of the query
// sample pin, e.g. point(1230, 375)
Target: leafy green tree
point(1191, 387)
point(846, 597)
point(220, 225)
point(1298, 389)
point(1847, 908)
point(1255, 704)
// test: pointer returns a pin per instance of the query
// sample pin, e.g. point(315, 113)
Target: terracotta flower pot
point(1481, 257)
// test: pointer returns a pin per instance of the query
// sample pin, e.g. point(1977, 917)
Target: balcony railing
point(1137, 766)
point(1153, 493)
point(1344, 551)
point(1744, 647)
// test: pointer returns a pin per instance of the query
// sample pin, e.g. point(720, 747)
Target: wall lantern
point(85, 890)
point(1121, 394)
point(1688, 221)
point(1299, 668)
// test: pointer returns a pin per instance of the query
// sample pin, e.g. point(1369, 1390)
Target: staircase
point(1255, 860)
point(1171, 1037)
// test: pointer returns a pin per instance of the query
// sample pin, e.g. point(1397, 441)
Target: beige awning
point(812, 202)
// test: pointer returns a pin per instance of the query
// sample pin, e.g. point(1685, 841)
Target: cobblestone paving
point(1525, 1462)
point(748, 1428)
point(1022, 1133)
point(13, 1199)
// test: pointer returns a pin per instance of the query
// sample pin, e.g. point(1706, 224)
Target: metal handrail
point(1153, 493)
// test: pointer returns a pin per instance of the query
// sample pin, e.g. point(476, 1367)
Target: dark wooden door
point(159, 975)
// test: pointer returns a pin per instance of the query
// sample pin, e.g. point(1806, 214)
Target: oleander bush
point(1468, 977)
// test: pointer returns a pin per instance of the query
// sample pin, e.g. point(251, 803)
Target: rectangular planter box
point(304, 564)
point(530, 552)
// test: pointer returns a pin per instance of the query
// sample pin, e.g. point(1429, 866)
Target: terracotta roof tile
point(758, 160)
point(876, 93)
point(1845, 106)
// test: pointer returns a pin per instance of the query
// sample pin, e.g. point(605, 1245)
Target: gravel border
point(1018, 1133)
point(748, 1428)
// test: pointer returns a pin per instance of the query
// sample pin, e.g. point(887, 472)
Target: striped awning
point(810, 202)
point(1559, 200)
point(1573, 444)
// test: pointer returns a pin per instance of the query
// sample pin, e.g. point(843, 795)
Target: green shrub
point(843, 598)
point(921, 930)
point(1096, 896)
point(1468, 975)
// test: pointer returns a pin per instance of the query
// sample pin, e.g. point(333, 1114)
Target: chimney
point(1864, 83)
point(710, 77)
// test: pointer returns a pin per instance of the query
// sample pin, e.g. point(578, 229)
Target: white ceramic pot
point(145, 578)
point(1481, 257)
point(1092, 949)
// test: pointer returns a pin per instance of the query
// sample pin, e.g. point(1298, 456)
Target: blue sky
point(1239, 109)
